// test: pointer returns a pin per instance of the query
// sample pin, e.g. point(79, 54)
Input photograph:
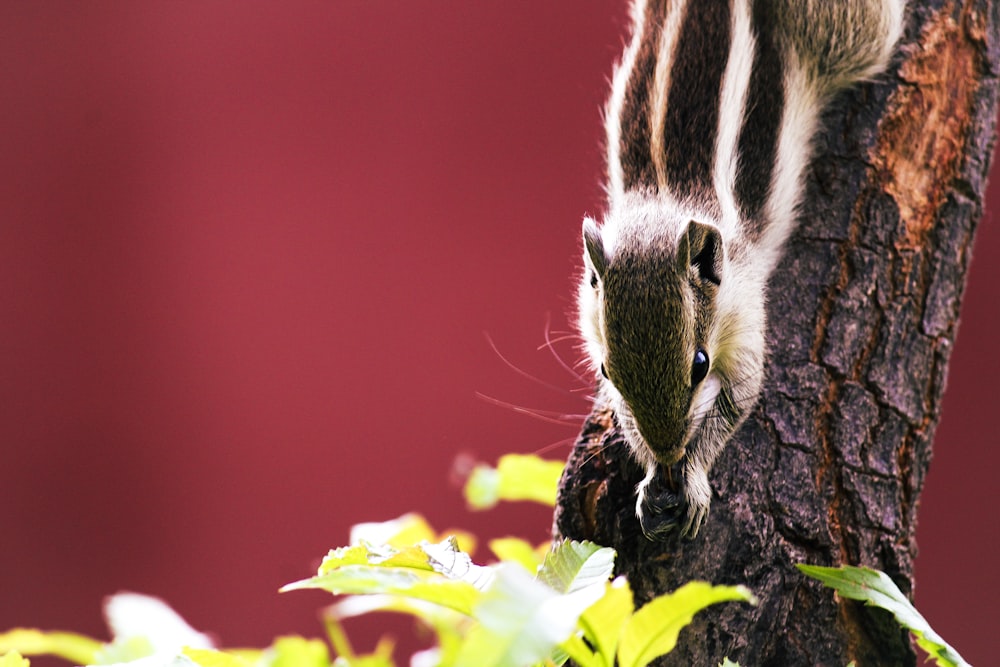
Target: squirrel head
point(647, 305)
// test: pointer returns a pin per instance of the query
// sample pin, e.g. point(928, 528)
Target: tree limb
point(862, 314)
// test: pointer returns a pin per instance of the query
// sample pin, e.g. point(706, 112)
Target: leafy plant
point(501, 616)
point(483, 616)
point(877, 589)
point(535, 606)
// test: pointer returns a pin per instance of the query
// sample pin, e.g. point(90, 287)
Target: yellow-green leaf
point(448, 625)
point(877, 589)
point(13, 659)
point(70, 646)
point(603, 621)
point(408, 529)
point(571, 565)
point(253, 656)
point(652, 631)
point(124, 649)
point(416, 561)
point(206, 657)
point(522, 620)
point(353, 555)
point(299, 652)
point(516, 477)
point(516, 550)
point(364, 580)
point(346, 657)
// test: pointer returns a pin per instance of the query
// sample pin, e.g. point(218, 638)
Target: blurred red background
point(248, 256)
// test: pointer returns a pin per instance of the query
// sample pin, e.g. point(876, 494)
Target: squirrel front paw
point(659, 511)
point(663, 509)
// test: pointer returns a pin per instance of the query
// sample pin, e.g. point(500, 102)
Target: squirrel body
point(709, 129)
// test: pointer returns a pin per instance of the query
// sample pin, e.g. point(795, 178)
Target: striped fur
point(709, 124)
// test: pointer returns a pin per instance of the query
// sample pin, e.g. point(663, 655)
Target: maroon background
point(248, 254)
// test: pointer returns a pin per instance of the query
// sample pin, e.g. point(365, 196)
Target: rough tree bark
point(862, 315)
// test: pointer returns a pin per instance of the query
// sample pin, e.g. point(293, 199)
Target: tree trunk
point(862, 314)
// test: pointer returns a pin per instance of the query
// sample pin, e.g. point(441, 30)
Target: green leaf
point(437, 573)
point(603, 621)
point(581, 654)
point(726, 662)
point(252, 656)
point(124, 649)
point(373, 660)
point(516, 550)
point(448, 626)
point(571, 565)
point(447, 559)
point(652, 631)
point(415, 557)
point(875, 588)
point(69, 646)
point(206, 657)
point(482, 491)
point(299, 652)
point(410, 528)
point(366, 580)
point(418, 560)
point(346, 657)
point(516, 477)
point(142, 626)
point(557, 658)
point(521, 620)
point(359, 554)
point(13, 659)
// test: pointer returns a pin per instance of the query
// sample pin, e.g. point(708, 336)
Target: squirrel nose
point(667, 440)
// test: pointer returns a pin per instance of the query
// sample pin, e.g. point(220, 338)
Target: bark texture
point(862, 314)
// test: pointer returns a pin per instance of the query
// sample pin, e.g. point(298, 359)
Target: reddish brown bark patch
point(923, 137)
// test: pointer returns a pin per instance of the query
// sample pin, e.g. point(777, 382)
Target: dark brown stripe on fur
point(758, 142)
point(638, 170)
point(692, 116)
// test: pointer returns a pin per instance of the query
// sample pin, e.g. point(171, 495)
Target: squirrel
point(709, 124)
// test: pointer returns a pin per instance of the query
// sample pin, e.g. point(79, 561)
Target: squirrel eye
point(699, 367)
point(593, 279)
point(604, 372)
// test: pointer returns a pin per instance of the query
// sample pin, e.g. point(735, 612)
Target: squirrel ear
point(593, 244)
point(703, 246)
